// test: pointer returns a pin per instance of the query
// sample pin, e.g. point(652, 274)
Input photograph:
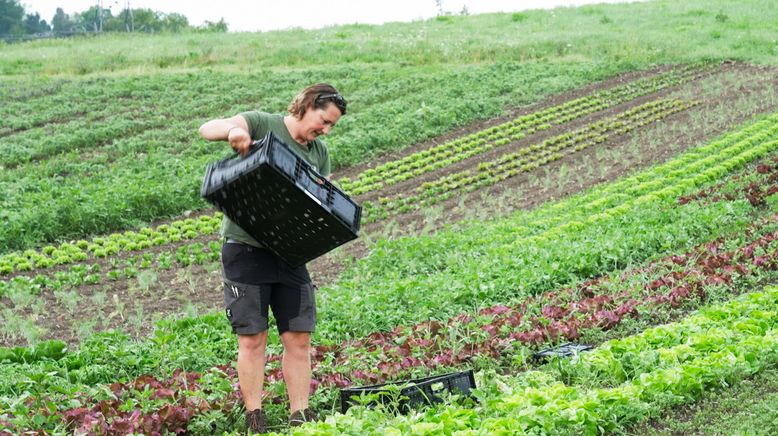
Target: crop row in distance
point(526, 159)
point(471, 145)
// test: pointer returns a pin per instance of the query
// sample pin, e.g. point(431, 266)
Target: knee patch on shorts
point(304, 318)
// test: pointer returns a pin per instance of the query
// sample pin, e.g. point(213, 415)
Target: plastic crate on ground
point(424, 391)
point(277, 197)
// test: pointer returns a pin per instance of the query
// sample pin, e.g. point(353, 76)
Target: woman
point(254, 278)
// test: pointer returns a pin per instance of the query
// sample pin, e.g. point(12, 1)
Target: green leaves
point(45, 350)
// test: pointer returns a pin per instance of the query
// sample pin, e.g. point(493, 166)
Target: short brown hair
point(316, 96)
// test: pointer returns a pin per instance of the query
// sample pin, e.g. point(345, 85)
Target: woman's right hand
point(239, 140)
point(235, 130)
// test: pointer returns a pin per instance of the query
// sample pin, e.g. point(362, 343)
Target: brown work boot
point(256, 421)
point(301, 417)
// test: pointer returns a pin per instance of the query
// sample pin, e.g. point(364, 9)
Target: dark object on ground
point(424, 391)
point(563, 350)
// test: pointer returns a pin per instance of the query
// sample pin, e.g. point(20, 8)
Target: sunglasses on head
point(336, 98)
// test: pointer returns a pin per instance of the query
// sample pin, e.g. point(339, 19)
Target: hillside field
point(602, 175)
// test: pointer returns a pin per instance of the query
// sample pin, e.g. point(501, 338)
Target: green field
point(603, 175)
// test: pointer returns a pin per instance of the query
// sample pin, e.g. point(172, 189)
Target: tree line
point(16, 23)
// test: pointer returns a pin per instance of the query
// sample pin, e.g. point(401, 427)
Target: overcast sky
point(253, 15)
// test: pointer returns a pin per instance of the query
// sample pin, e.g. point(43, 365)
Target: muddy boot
point(301, 417)
point(256, 421)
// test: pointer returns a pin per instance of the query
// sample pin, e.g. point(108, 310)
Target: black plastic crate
point(563, 350)
point(277, 197)
point(424, 391)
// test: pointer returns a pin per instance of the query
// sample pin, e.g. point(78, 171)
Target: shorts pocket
point(243, 307)
point(232, 294)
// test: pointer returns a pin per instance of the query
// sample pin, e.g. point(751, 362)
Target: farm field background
point(603, 174)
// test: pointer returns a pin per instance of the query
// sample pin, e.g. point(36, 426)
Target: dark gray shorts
point(247, 305)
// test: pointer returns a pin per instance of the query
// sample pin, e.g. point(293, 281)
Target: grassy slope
point(651, 32)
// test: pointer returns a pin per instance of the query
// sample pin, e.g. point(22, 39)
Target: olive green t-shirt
point(314, 152)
